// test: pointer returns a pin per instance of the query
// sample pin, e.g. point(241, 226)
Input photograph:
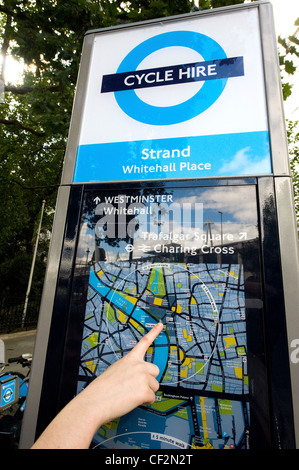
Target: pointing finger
point(145, 342)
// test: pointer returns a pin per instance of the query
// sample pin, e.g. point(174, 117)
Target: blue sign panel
point(8, 392)
point(188, 157)
point(185, 73)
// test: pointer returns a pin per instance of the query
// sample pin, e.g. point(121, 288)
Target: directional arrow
point(243, 235)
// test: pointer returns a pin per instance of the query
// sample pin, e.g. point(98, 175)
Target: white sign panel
point(176, 99)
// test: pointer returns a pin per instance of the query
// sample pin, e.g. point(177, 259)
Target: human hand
point(126, 384)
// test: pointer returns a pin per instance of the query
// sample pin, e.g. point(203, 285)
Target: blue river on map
point(137, 314)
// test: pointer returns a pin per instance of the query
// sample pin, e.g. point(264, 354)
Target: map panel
point(192, 279)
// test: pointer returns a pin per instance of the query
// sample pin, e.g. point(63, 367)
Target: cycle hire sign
point(9, 392)
point(180, 99)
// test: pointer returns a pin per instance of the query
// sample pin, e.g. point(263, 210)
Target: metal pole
point(32, 265)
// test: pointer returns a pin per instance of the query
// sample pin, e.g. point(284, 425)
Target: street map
point(203, 400)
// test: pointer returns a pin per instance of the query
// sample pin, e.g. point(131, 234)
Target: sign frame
point(277, 187)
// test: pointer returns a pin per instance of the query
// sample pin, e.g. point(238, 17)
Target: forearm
point(126, 384)
point(73, 427)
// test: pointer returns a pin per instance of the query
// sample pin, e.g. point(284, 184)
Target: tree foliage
point(293, 139)
point(289, 61)
point(289, 55)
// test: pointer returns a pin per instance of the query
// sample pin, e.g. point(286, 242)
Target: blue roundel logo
point(143, 112)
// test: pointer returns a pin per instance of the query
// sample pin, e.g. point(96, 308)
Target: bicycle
point(13, 394)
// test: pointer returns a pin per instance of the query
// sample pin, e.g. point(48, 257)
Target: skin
point(125, 385)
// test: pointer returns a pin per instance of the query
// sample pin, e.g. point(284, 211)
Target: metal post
point(32, 265)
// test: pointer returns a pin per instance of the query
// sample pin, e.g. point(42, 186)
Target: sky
point(285, 14)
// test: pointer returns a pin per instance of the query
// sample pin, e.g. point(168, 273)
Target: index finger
point(145, 342)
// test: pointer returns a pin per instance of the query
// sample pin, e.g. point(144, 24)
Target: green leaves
point(288, 54)
point(293, 141)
